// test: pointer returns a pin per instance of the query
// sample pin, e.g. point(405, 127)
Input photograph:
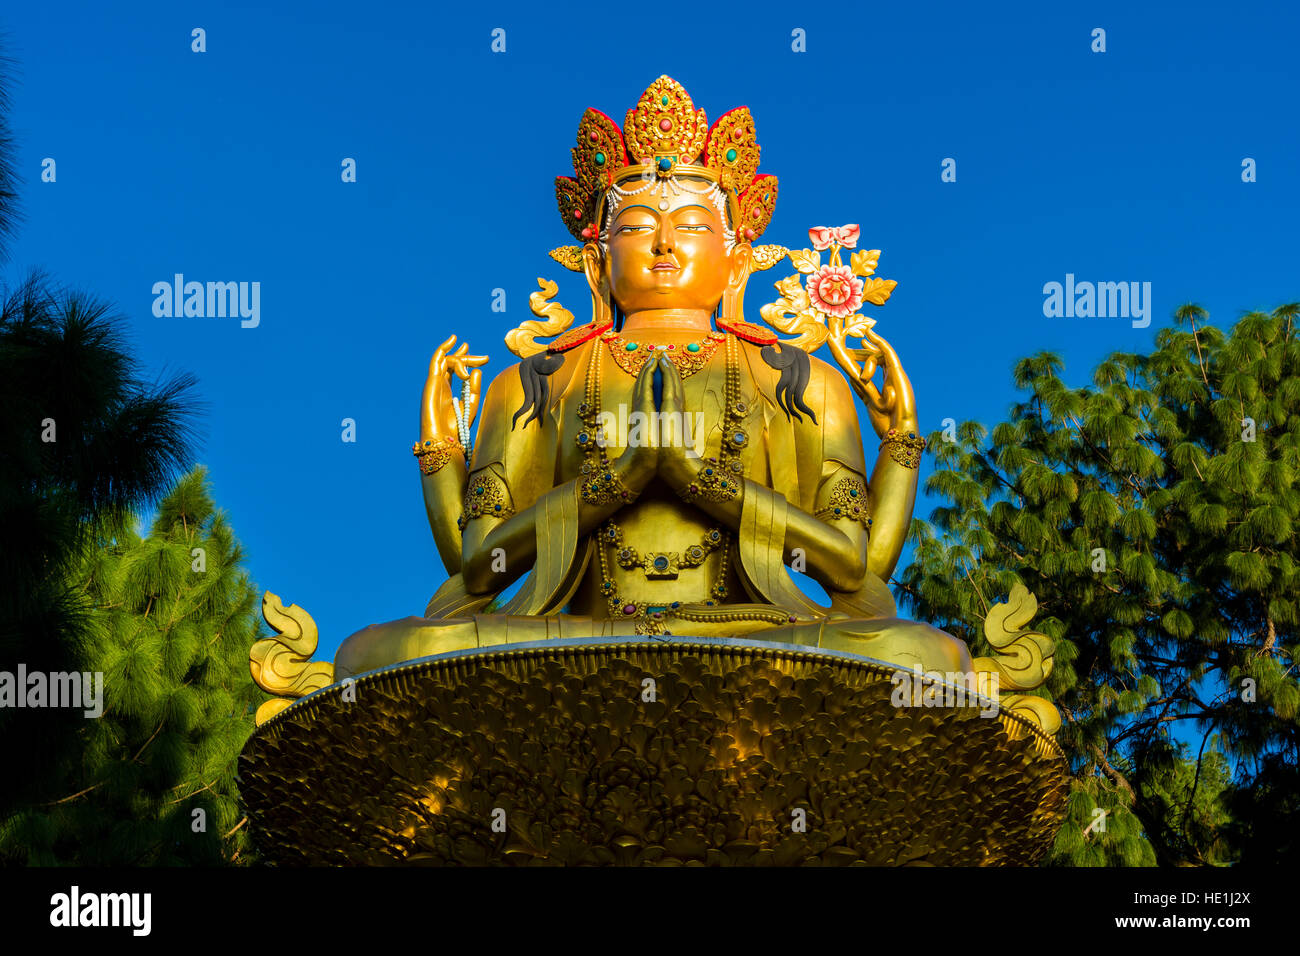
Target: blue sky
point(225, 166)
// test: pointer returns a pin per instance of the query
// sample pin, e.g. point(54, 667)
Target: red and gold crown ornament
point(664, 136)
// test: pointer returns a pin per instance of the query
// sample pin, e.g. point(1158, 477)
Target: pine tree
point(174, 615)
point(1154, 514)
point(85, 442)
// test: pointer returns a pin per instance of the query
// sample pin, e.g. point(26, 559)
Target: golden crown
point(663, 136)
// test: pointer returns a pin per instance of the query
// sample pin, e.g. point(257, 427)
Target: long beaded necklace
point(720, 478)
point(598, 483)
point(649, 617)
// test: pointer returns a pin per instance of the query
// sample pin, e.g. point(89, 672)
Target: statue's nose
point(664, 237)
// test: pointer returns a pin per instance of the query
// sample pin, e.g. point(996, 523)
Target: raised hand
point(437, 413)
point(893, 405)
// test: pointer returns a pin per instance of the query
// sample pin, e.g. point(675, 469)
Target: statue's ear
point(742, 258)
point(593, 266)
point(733, 299)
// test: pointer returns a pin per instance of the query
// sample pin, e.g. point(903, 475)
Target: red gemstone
point(749, 233)
point(629, 608)
point(593, 136)
point(577, 214)
point(665, 124)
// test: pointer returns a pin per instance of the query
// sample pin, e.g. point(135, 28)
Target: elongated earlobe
point(733, 300)
point(742, 260)
point(593, 266)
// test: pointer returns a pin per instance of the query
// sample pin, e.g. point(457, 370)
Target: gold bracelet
point(435, 452)
point(715, 481)
point(904, 449)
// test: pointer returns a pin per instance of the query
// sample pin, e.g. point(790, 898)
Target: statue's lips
point(663, 267)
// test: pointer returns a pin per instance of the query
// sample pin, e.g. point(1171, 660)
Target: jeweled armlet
point(848, 500)
point(484, 495)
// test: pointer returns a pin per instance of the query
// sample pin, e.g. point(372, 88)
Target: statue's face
point(674, 258)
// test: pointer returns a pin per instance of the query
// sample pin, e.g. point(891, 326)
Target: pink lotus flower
point(823, 236)
point(835, 290)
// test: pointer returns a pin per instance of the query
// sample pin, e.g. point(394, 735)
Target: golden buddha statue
point(654, 471)
point(649, 480)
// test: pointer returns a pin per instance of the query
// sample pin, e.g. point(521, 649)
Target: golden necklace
point(650, 617)
point(631, 355)
point(599, 485)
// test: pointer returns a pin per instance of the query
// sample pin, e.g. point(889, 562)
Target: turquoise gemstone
point(665, 163)
point(600, 159)
point(731, 155)
point(693, 347)
point(664, 100)
point(631, 346)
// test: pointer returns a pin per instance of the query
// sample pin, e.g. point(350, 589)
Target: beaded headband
point(665, 137)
